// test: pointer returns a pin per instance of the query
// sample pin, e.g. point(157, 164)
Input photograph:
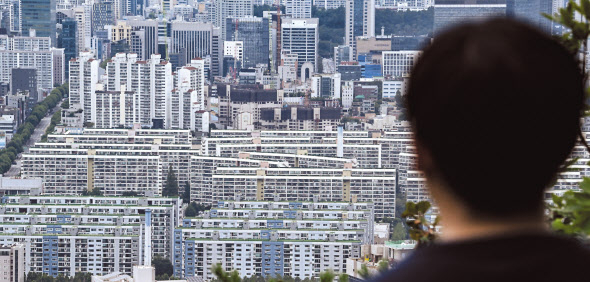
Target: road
point(35, 137)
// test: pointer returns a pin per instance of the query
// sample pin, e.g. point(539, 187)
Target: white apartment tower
point(151, 82)
point(360, 21)
point(298, 9)
point(12, 263)
point(188, 97)
point(83, 79)
point(300, 37)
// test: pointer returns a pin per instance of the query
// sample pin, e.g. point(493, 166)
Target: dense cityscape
point(148, 140)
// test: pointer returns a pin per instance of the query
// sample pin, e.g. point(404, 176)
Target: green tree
point(383, 266)
point(364, 272)
point(95, 192)
point(171, 188)
point(343, 277)
point(162, 266)
point(327, 276)
point(224, 276)
point(190, 211)
point(65, 104)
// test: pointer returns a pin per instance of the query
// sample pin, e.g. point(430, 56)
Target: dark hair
point(497, 106)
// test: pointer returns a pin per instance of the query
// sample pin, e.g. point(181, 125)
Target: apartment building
point(114, 161)
point(298, 239)
point(99, 235)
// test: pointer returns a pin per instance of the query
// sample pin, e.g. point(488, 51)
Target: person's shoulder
point(532, 258)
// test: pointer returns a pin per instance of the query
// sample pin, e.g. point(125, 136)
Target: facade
point(399, 63)
point(192, 38)
point(12, 263)
point(24, 80)
point(253, 32)
point(38, 15)
point(99, 235)
point(297, 239)
point(224, 9)
point(115, 161)
point(448, 13)
point(150, 81)
point(298, 9)
point(294, 118)
point(329, 4)
point(300, 37)
point(360, 21)
point(27, 52)
point(102, 15)
point(150, 28)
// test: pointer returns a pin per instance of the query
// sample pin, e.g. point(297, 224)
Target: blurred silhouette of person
point(495, 107)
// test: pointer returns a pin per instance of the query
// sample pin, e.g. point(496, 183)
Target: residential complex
point(297, 239)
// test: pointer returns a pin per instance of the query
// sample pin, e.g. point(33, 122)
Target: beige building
point(12, 263)
point(374, 45)
point(120, 31)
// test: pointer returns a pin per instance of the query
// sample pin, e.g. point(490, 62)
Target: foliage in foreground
point(234, 276)
point(42, 277)
point(570, 213)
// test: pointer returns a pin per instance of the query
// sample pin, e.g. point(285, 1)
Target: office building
point(253, 32)
point(68, 40)
point(224, 9)
point(531, 11)
point(82, 82)
point(360, 21)
point(296, 239)
point(193, 38)
point(27, 52)
point(329, 4)
point(83, 16)
point(298, 9)
point(300, 37)
point(150, 28)
point(448, 13)
point(12, 263)
point(399, 63)
point(326, 86)
point(38, 15)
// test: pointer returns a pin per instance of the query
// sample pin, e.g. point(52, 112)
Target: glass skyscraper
point(67, 40)
point(40, 16)
point(254, 34)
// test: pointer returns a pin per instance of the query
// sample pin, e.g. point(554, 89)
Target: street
point(35, 137)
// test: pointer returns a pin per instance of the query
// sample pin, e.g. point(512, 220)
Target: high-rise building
point(151, 82)
point(329, 4)
point(102, 15)
point(68, 40)
point(39, 15)
point(83, 16)
point(531, 11)
point(27, 52)
point(399, 63)
point(360, 21)
point(300, 37)
point(150, 28)
point(231, 8)
point(188, 98)
point(82, 80)
point(25, 80)
point(12, 263)
point(198, 40)
point(326, 86)
point(448, 13)
point(298, 9)
point(253, 32)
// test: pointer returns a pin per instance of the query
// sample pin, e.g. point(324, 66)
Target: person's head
point(495, 107)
